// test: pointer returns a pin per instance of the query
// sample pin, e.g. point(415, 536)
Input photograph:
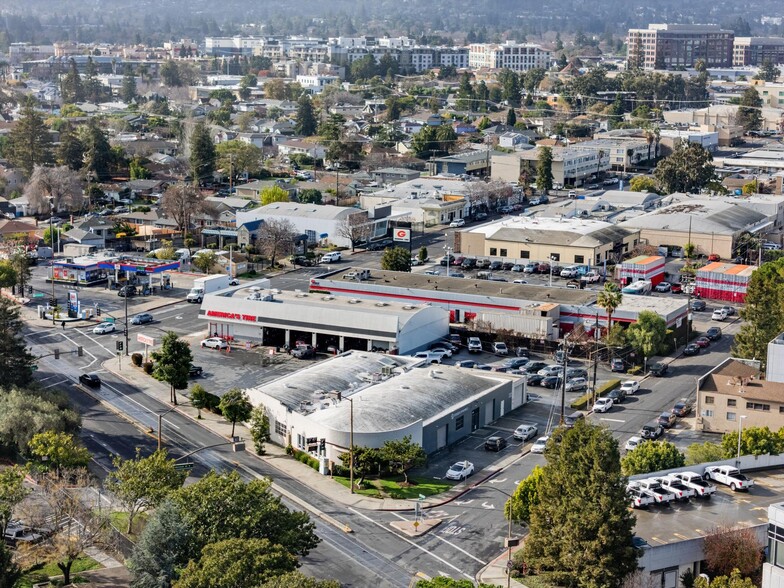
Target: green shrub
point(136, 359)
point(634, 370)
point(582, 402)
point(213, 402)
point(148, 366)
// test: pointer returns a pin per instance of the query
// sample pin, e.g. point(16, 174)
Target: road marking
point(456, 530)
point(501, 481)
point(412, 543)
point(57, 383)
point(612, 420)
point(463, 502)
point(488, 506)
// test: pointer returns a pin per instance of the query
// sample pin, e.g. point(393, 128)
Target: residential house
point(301, 147)
point(13, 229)
point(84, 237)
point(248, 232)
point(394, 175)
point(254, 189)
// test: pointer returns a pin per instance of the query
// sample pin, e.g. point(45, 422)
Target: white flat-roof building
point(510, 55)
point(571, 165)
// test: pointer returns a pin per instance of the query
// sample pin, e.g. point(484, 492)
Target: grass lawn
point(41, 574)
point(391, 488)
point(119, 521)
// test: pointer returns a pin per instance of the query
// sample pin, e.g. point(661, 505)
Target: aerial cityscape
point(392, 294)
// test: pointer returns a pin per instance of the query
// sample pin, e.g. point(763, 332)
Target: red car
point(702, 342)
point(676, 288)
point(714, 257)
point(543, 268)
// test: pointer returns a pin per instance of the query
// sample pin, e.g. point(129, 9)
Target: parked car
point(535, 380)
point(447, 259)
point(525, 432)
point(719, 314)
point(530, 268)
point(698, 305)
point(678, 489)
point(214, 343)
point(495, 266)
point(667, 420)
point(500, 348)
point(539, 445)
point(714, 333)
point(460, 470)
point(127, 291)
point(633, 443)
point(655, 489)
point(518, 268)
point(459, 222)
point(507, 266)
point(730, 310)
point(442, 349)
point(303, 352)
point(551, 370)
point(663, 287)
point(104, 328)
point(576, 384)
point(676, 288)
point(543, 268)
point(602, 404)
point(515, 363)
point(702, 488)
point(466, 363)
point(495, 443)
point(658, 369)
point(691, 349)
point(416, 261)
point(616, 365)
point(714, 257)
point(639, 498)
point(728, 476)
point(142, 318)
point(551, 382)
point(570, 272)
point(681, 409)
point(576, 372)
point(468, 263)
point(651, 431)
point(429, 356)
point(533, 367)
point(195, 371)
point(629, 387)
point(91, 380)
point(432, 272)
point(474, 345)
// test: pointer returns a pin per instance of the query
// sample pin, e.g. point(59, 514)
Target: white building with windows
point(510, 55)
point(315, 84)
point(572, 166)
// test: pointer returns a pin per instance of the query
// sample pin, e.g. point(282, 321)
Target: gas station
point(89, 270)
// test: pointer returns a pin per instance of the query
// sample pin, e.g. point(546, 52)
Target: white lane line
point(461, 550)
point(612, 420)
point(57, 383)
point(430, 553)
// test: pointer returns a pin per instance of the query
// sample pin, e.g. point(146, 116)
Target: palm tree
point(609, 299)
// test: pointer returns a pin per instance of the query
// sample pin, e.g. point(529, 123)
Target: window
point(579, 259)
point(709, 400)
point(503, 252)
point(732, 402)
point(493, 251)
point(280, 428)
point(708, 413)
point(525, 254)
point(555, 257)
point(300, 441)
point(730, 416)
point(758, 406)
point(459, 423)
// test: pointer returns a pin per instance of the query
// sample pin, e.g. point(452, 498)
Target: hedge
point(136, 359)
point(582, 402)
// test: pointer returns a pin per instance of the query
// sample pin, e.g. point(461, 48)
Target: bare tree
point(181, 202)
point(61, 183)
point(727, 548)
point(276, 238)
point(64, 507)
point(356, 228)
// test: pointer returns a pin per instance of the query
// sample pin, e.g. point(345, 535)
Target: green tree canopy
point(698, 453)
point(402, 455)
point(235, 156)
point(58, 451)
point(259, 429)
point(609, 298)
point(202, 158)
point(768, 71)
point(237, 563)
point(750, 112)
point(12, 492)
point(310, 196)
point(642, 184)
point(307, 124)
point(29, 142)
point(652, 456)
point(274, 194)
point(70, 151)
point(734, 580)
point(525, 497)
point(143, 483)
point(235, 406)
point(396, 259)
point(687, 169)
point(753, 441)
point(24, 414)
point(762, 313)
point(581, 528)
point(98, 156)
point(544, 169)
point(128, 88)
point(173, 363)
point(205, 261)
point(298, 580)
point(647, 335)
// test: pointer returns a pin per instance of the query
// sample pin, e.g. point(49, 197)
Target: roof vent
point(382, 304)
point(354, 301)
point(408, 307)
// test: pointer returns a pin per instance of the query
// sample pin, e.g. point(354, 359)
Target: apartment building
point(755, 50)
point(510, 55)
point(671, 46)
point(572, 166)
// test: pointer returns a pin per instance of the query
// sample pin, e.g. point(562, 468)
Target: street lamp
point(508, 541)
point(740, 430)
point(51, 239)
point(448, 250)
point(160, 422)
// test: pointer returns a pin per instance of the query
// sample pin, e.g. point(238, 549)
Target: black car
point(617, 395)
point(447, 259)
point(195, 370)
point(659, 369)
point(714, 333)
point(551, 382)
point(469, 263)
point(698, 305)
point(303, 261)
point(535, 380)
point(91, 380)
point(127, 291)
point(495, 444)
point(515, 363)
point(507, 266)
point(532, 367)
point(495, 266)
point(691, 349)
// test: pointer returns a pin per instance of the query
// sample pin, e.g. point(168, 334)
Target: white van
point(330, 257)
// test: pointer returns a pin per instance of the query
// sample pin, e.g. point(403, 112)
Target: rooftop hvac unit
point(328, 297)
point(386, 370)
point(382, 304)
point(354, 301)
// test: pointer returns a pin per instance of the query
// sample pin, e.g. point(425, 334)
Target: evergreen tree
point(544, 169)
point(173, 362)
point(202, 157)
point(170, 74)
point(465, 93)
point(768, 72)
point(15, 361)
point(70, 151)
point(29, 143)
point(511, 117)
point(687, 169)
point(128, 90)
point(306, 119)
point(581, 527)
point(71, 87)
point(97, 151)
point(749, 113)
point(91, 83)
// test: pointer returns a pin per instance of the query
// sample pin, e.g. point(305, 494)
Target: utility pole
point(563, 377)
point(596, 333)
point(52, 302)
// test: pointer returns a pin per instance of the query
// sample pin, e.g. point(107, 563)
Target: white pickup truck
point(654, 488)
point(591, 277)
point(702, 488)
point(729, 476)
point(678, 488)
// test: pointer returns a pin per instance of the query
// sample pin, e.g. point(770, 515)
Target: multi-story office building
point(671, 46)
point(510, 55)
point(755, 50)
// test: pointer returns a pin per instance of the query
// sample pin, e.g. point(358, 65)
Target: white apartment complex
point(572, 166)
point(510, 55)
point(670, 46)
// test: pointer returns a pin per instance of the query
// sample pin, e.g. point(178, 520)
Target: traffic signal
point(322, 445)
point(57, 354)
point(98, 311)
point(120, 345)
point(29, 289)
point(80, 351)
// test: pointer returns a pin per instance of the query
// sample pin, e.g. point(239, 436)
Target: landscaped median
point(397, 488)
point(582, 402)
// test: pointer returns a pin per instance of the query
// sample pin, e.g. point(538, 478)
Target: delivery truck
point(207, 285)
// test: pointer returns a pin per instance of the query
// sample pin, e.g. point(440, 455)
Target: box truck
point(207, 285)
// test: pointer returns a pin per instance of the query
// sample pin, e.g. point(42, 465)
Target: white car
point(214, 343)
point(104, 328)
point(500, 349)
point(663, 287)
point(602, 404)
point(474, 345)
point(633, 443)
point(570, 272)
point(459, 222)
point(719, 314)
point(525, 432)
point(539, 445)
point(442, 350)
point(460, 471)
point(630, 387)
point(416, 261)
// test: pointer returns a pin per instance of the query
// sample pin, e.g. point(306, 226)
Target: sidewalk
point(494, 573)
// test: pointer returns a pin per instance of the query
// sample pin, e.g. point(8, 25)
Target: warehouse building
point(272, 317)
point(563, 240)
point(386, 397)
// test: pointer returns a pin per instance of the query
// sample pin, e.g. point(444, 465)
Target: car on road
point(691, 349)
point(141, 319)
point(698, 305)
point(416, 261)
point(539, 445)
point(651, 431)
point(617, 395)
point(719, 314)
point(104, 328)
point(602, 404)
point(460, 470)
point(495, 443)
point(714, 333)
point(459, 222)
point(667, 420)
point(729, 476)
point(658, 369)
point(663, 287)
point(474, 345)
point(681, 409)
point(616, 365)
point(525, 432)
point(633, 442)
point(432, 272)
point(630, 387)
point(576, 384)
point(195, 371)
point(500, 348)
point(702, 342)
point(214, 343)
point(234, 282)
point(127, 291)
point(91, 380)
